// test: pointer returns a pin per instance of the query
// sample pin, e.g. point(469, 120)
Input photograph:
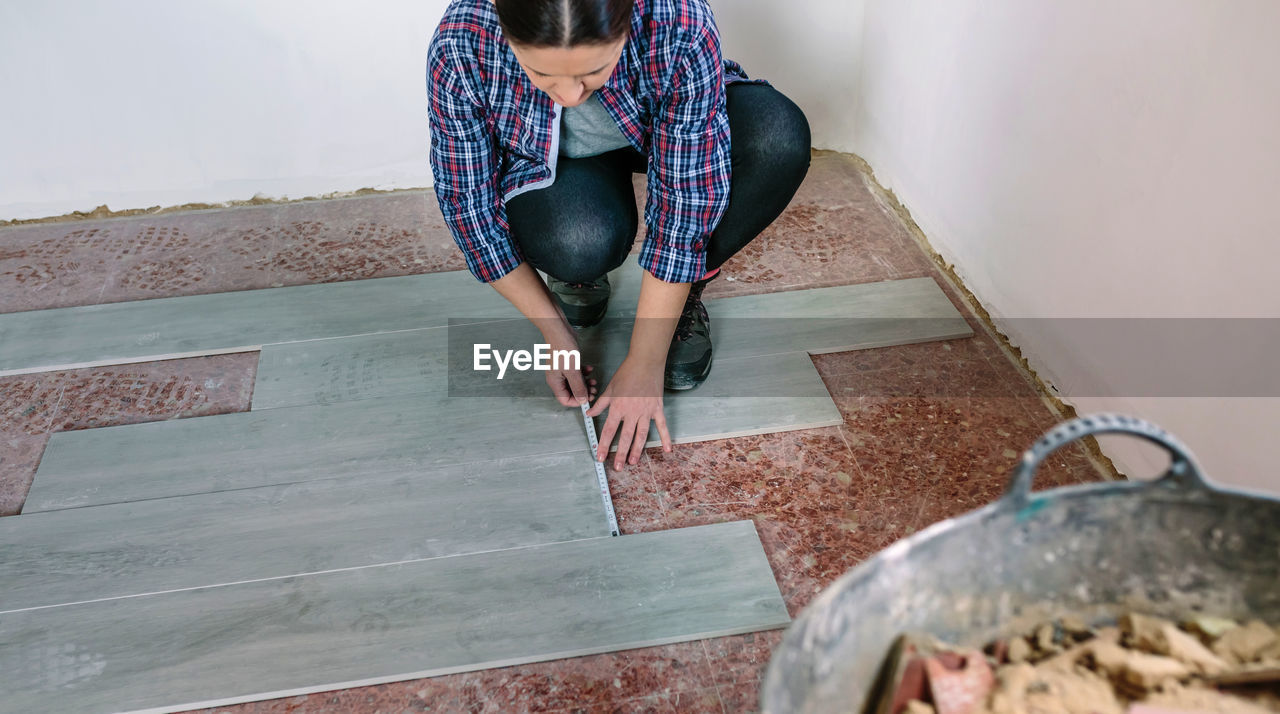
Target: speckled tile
point(28, 402)
point(591, 683)
point(919, 356)
point(796, 475)
point(941, 380)
point(193, 253)
point(19, 457)
point(697, 701)
point(128, 394)
point(807, 556)
point(741, 657)
point(742, 697)
point(636, 501)
point(596, 680)
point(363, 237)
point(50, 265)
point(833, 233)
point(450, 693)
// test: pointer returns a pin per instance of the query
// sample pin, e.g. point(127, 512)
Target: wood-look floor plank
point(816, 321)
point(401, 435)
point(378, 366)
point(195, 325)
point(124, 549)
point(235, 643)
point(350, 368)
point(203, 324)
point(417, 361)
point(751, 395)
point(431, 429)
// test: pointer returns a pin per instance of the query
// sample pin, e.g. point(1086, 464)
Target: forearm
point(657, 313)
point(524, 289)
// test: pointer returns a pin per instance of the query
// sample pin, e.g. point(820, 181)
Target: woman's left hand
point(633, 398)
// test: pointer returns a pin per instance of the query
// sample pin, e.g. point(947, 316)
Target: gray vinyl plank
point(836, 319)
point(236, 321)
point(816, 321)
point(741, 397)
point(397, 435)
point(352, 368)
point(118, 550)
point(220, 323)
point(400, 435)
point(412, 423)
point(752, 395)
point(416, 361)
point(243, 642)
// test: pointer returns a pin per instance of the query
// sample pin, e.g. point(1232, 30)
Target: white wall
point(137, 103)
point(1116, 158)
point(815, 63)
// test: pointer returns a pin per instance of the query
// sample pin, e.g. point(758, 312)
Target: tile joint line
point(410, 561)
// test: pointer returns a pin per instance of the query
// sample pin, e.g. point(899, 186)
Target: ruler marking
point(601, 478)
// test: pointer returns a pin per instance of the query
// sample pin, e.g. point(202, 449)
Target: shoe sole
point(681, 383)
point(583, 315)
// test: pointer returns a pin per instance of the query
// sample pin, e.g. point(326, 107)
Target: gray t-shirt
point(588, 130)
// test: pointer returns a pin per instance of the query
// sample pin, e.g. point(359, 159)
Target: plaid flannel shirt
point(494, 135)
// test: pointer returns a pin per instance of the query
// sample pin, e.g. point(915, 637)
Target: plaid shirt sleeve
point(464, 164)
point(689, 165)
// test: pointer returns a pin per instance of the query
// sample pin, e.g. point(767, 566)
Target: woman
point(540, 112)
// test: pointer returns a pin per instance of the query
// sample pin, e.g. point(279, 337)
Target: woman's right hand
point(571, 387)
point(526, 291)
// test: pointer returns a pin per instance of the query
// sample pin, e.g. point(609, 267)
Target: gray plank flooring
point(168, 328)
point(752, 395)
point(379, 403)
point(393, 436)
point(837, 319)
point(242, 642)
point(125, 549)
point(381, 515)
point(398, 436)
point(235, 321)
point(417, 361)
point(351, 368)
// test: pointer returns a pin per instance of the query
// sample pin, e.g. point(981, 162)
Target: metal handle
point(1184, 471)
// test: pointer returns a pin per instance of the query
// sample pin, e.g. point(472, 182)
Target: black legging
point(583, 225)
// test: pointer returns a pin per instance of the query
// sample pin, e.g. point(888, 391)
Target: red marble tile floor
point(930, 431)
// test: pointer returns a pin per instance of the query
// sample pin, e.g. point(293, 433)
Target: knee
point(769, 130)
point(584, 263)
point(584, 249)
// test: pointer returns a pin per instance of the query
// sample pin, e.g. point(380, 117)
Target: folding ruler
point(600, 475)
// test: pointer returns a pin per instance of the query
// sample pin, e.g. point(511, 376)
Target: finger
point(606, 437)
point(625, 436)
point(661, 422)
point(600, 405)
point(642, 435)
point(578, 388)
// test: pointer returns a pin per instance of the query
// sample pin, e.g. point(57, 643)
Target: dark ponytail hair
point(564, 23)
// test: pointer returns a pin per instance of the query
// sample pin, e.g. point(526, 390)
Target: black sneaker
point(689, 357)
point(583, 303)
